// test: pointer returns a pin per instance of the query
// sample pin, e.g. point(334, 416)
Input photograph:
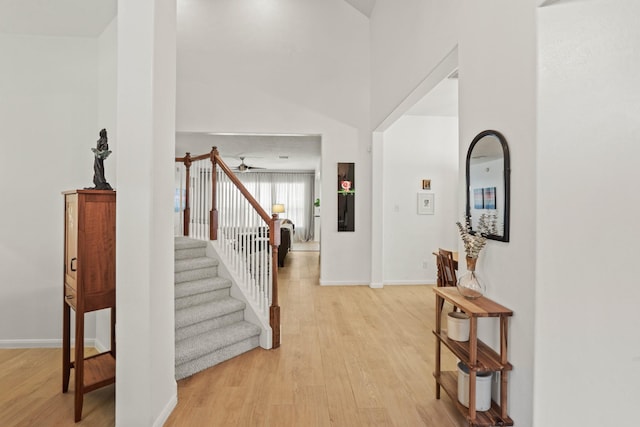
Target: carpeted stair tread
point(201, 312)
point(209, 325)
point(211, 359)
point(187, 243)
point(194, 264)
point(195, 287)
point(209, 342)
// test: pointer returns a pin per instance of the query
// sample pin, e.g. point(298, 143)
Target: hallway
point(350, 356)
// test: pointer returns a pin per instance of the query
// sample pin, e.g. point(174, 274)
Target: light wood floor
point(31, 392)
point(350, 356)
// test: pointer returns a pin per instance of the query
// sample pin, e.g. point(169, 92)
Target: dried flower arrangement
point(474, 241)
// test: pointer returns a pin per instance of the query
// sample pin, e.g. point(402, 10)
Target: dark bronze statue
point(101, 152)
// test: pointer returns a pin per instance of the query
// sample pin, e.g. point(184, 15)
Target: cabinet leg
point(66, 346)
point(79, 365)
point(113, 331)
point(78, 406)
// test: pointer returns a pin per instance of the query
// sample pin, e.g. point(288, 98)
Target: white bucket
point(483, 388)
point(458, 326)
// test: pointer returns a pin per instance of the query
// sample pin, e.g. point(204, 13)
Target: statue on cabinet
point(101, 152)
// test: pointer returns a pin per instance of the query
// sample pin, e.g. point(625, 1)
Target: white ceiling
point(302, 152)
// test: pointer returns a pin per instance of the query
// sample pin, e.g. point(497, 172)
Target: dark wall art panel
point(346, 196)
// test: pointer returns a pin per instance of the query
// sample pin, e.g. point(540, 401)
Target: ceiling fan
point(243, 167)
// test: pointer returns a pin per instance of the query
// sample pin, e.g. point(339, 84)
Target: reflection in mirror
point(488, 182)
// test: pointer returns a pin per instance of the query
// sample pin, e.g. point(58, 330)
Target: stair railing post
point(213, 214)
point(187, 205)
point(274, 309)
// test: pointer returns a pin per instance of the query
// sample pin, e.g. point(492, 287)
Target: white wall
point(146, 389)
point(416, 148)
point(496, 57)
point(294, 67)
point(587, 367)
point(48, 124)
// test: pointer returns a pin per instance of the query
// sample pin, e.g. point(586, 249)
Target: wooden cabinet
point(89, 285)
point(478, 356)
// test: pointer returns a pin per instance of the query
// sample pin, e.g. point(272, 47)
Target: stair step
point(181, 242)
point(211, 359)
point(212, 347)
point(189, 248)
point(203, 298)
point(194, 287)
point(194, 264)
point(208, 325)
point(201, 291)
point(190, 253)
point(202, 312)
point(195, 269)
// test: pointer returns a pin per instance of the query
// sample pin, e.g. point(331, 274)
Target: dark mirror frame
point(506, 176)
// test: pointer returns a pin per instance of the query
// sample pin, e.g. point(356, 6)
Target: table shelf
point(492, 417)
point(488, 359)
point(99, 371)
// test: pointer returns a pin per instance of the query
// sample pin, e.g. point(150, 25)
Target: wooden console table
point(478, 356)
point(89, 285)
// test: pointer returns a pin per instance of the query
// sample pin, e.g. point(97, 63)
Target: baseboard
point(100, 346)
point(342, 283)
point(55, 343)
point(168, 409)
point(409, 282)
point(377, 285)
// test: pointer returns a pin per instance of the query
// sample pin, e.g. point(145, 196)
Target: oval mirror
point(488, 172)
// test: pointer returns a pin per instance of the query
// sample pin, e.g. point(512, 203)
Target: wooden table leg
point(79, 365)
point(473, 363)
point(113, 331)
point(66, 346)
point(439, 301)
point(504, 331)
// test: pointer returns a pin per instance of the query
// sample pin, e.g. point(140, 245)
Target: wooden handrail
point(272, 222)
point(216, 159)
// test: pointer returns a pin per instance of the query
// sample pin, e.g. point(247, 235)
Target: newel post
point(213, 214)
point(187, 205)
point(274, 310)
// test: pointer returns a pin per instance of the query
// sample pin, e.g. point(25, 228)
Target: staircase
point(210, 325)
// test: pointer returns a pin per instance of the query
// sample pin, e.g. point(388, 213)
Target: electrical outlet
point(425, 265)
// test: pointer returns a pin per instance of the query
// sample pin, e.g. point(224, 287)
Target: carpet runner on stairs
point(210, 325)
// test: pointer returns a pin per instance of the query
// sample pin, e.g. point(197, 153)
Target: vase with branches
point(469, 285)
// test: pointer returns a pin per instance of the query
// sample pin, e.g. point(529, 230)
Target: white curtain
point(293, 190)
